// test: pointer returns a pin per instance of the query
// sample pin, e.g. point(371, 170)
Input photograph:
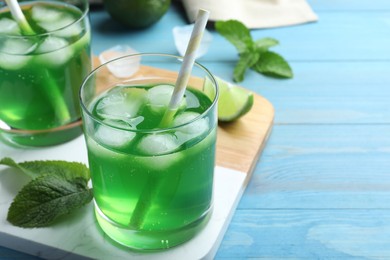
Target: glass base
point(37, 138)
point(150, 240)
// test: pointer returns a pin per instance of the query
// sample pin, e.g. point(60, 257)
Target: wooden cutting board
point(78, 236)
point(240, 142)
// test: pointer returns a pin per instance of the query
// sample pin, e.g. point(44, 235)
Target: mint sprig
point(57, 188)
point(253, 54)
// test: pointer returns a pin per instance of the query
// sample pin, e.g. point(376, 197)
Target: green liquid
point(153, 201)
point(39, 82)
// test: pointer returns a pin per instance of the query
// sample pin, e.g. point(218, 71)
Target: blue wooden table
point(321, 189)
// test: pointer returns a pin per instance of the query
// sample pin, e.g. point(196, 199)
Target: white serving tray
point(78, 236)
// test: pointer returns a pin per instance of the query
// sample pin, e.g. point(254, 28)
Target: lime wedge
point(233, 102)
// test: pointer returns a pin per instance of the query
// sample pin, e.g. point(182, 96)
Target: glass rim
point(85, 11)
point(149, 131)
point(70, 125)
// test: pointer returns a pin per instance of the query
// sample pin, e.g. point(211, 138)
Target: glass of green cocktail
point(41, 71)
point(152, 183)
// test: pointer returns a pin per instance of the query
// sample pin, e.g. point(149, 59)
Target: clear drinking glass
point(152, 185)
point(41, 73)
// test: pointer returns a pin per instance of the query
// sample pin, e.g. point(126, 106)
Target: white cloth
point(254, 13)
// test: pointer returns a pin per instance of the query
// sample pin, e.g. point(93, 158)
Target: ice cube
point(191, 100)
point(122, 104)
point(191, 130)
point(9, 26)
point(157, 144)
point(122, 68)
point(160, 162)
point(72, 30)
point(43, 14)
point(52, 43)
point(54, 51)
point(125, 123)
point(134, 121)
point(64, 26)
point(182, 35)
point(12, 62)
point(160, 96)
point(14, 53)
point(112, 136)
point(17, 46)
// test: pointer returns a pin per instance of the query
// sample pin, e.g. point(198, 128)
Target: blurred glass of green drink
point(41, 72)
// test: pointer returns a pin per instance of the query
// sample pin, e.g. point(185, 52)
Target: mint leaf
point(236, 33)
point(265, 43)
point(253, 54)
point(57, 188)
point(37, 168)
point(247, 60)
point(47, 197)
point(272, 64)
point(11, 163)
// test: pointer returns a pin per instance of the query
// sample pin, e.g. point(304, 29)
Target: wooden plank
point(350, 5)
point(322, 167)
point(9, 254)
point(339, 35)
point(321, 92)
point(336, 36)
point(307, 234)
point(157, 38)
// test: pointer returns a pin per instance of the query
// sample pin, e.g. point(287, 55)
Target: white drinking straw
point(186, 67)
point(18, 16)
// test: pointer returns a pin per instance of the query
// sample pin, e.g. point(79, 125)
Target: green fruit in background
point(137, 13)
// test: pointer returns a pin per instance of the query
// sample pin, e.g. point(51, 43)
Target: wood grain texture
point(321, 190)
point(240, 143)
point(340, 35)
point(349, 5)
point(322, 167)
point(308, 234)
point(322, 92)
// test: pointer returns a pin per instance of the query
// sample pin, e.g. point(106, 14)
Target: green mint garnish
point(272, 64)
point(57, 188)
point(253, 54)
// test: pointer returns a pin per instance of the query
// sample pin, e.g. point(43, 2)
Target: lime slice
point(233, 102)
